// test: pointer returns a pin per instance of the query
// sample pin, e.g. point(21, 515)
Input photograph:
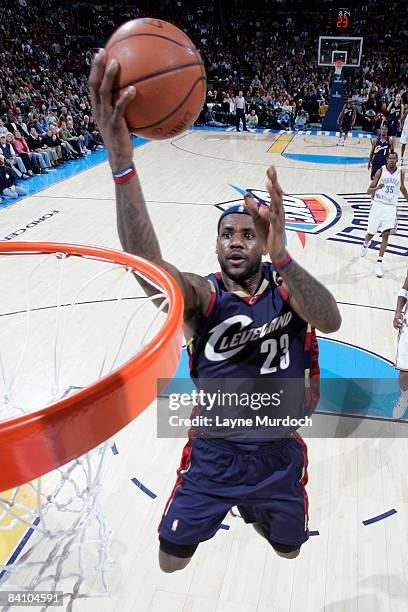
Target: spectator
point(211, 121)
point(37, 145)
point(41, 125)
point(68, 150)
point(90, 142)
point(90, 125)
point(22, 148)
point(70, 139)
point(8, 188)
point(256, 82)
point(3, 129)
point(252, 119)
point(79, 137)
point(11, 159)
point(323, 106)
point(13, 125)
point(25, 157)
point(283, 120)
point(301, 120)
point(52, 142)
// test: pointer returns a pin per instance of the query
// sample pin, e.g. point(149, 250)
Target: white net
point(65, 322)
point(338, 66)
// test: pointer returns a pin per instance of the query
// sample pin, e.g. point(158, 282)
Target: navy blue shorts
point(374, 170)
point(392, 129)
point(267, 485)
point(345, 127)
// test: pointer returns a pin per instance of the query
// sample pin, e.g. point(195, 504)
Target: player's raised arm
point(375, 185)
point(311, 300)
point(136, 231)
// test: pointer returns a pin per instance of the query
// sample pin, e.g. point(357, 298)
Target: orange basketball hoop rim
point(338, 66)
point(38, 442)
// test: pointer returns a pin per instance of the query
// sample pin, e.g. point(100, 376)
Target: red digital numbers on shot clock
point(343, 19)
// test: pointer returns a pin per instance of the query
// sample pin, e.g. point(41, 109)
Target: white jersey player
point(401, 363)
point(384, 190)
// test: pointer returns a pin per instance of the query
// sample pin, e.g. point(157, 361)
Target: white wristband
point(403, 293)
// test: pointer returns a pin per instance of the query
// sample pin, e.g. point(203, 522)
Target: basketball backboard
point(347, 49)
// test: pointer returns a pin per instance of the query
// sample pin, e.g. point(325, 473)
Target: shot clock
point(342, 20)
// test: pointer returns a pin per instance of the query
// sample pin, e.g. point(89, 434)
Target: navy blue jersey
point(256, 338)
point(347, 116)
point(381, 150)
point(394, 115)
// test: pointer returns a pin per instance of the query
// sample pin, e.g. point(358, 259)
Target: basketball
point(167, 71)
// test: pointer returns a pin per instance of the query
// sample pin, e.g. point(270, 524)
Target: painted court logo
point(305, 213)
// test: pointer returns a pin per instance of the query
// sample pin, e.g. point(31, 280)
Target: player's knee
point(169, 563)
point(286, 551)
point(289, 555)
point(174, 557)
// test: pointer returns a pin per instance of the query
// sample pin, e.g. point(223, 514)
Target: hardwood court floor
point(348, 567)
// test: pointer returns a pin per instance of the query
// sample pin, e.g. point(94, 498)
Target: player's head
point(384, 131)
point(238, 248)
point(398, 98)
point(392, 160)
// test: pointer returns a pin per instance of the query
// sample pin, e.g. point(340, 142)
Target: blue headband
point(239, 209)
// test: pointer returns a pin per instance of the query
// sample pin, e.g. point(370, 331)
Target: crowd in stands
point(271, 54)
point(266, 50)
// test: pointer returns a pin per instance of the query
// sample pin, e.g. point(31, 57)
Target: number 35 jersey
point(253, 337)
point(392, 184)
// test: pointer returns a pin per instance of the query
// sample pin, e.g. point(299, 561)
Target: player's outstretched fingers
point(260, 217)
point(276, 194)
point(252, 205)
point(272, 176)
point(96, 76)
point(123, 102)
point(107, 84)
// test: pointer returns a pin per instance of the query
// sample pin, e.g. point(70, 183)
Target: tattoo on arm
point(135, 228)
point(313, 302)
point(137, 236)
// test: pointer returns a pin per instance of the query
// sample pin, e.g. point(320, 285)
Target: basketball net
point(52, 346)
point(338, 66)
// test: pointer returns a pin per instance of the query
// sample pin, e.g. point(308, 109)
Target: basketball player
point(401, 363)
point(267, 479)
point(395, 111)
point(404, 134)
point(379, 151)
point(384, 189)
point(346, 120)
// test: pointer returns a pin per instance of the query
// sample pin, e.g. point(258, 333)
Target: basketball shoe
point(378, 270)
point(364, 249)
